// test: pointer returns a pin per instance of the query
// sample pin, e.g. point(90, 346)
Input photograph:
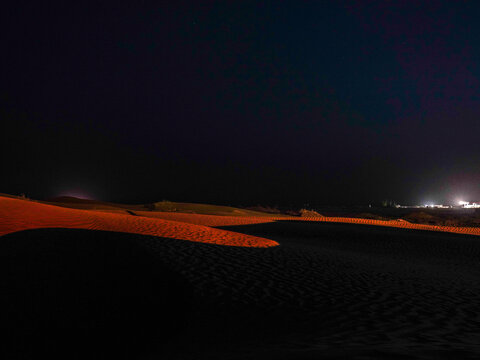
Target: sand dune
point(335, 288)
point(215, 216)
point(218, 221)
point(377, 292)
point(329, 291)
point(17, 215)
point(396, 224)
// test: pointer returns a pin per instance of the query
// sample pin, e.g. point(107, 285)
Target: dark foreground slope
point(329, 291)
point(86, 294)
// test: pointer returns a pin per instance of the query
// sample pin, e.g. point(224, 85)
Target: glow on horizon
point(79, 194)
point(469, 205)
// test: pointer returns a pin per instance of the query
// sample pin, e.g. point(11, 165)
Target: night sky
point(242, 103)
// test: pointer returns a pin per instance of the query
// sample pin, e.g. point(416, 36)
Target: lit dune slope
point(206, 220)
point(218, 221)
point(17, 215)
point(396, 224)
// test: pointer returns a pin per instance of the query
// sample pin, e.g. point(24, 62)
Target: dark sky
point(282, 102)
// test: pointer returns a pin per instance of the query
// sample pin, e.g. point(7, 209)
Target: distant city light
point(436, 206)
point(469, 205)
point(461, 204)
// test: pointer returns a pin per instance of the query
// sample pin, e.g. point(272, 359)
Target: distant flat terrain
point(150, 285)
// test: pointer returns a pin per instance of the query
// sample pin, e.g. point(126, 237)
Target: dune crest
point(219, 220)
point(17, 215)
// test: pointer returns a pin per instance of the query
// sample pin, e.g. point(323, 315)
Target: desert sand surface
point(218, 221)
point(84, 284)
point(215, 215)
point(207, 220)
point(17, 215)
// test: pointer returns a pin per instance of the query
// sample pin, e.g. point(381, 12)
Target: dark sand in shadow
point(87, 294)
point(329, 291)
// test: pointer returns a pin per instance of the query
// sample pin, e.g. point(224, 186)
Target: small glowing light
point(462, 203)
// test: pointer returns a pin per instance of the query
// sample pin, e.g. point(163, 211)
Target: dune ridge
point(219, 220)
point(396, 224)
point(17, 215)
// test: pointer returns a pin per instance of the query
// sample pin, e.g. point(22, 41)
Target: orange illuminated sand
point(207, 220)
point(217, 221)
point(399, 224)
point(17, 215)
